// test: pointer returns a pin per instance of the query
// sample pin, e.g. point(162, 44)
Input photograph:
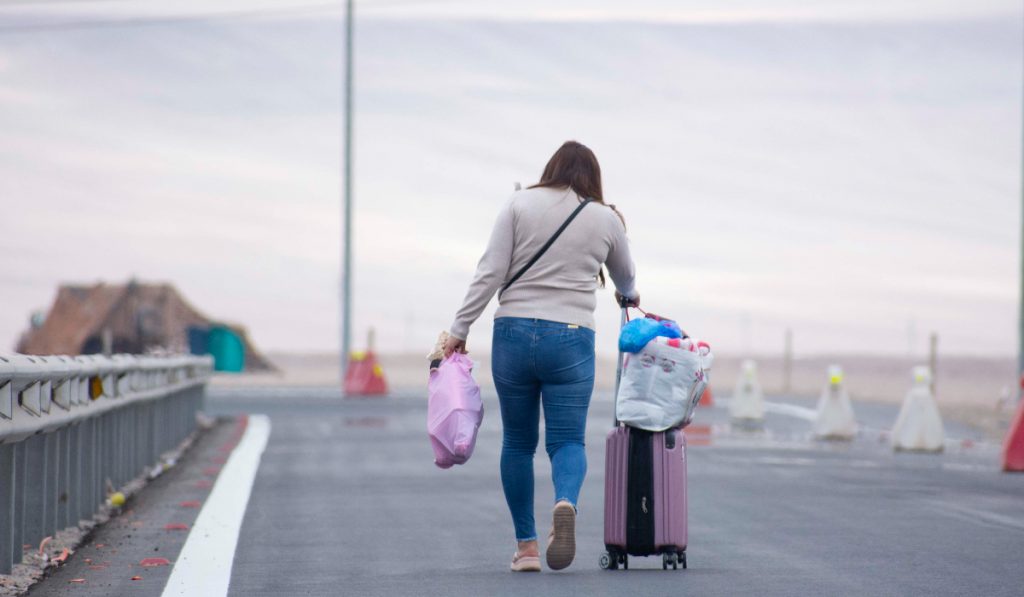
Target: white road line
point(975, 515)
point(204, 565)
point(792, 410)
point(780, 408)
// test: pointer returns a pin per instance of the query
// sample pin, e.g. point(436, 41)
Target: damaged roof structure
point(133, 318)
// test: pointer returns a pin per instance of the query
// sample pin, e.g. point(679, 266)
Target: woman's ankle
point(528, 548)
point(568, 503)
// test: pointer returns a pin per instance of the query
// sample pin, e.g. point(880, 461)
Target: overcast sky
point(654, 10)
point(852, 173)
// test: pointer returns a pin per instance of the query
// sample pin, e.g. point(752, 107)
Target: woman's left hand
point(453, 344)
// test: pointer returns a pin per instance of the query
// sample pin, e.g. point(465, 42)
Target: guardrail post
point(87, 483)
point(121, 449)
point(193, 400)
point(35, 488)
point(124, 447)
point(137, 439)
point(152, 454)
point(75, 483)
point(64, 482)
point(133, 457)
point(161, 423)
point(102, 429)
point(110, 433)
point(7, 491)
point(51, 473)
point(116, 449)
point(20, 488)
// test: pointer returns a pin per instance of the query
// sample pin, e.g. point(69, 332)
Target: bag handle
point(546, 246)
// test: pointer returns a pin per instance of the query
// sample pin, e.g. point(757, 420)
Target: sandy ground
point(974, 390)
point(978, 381)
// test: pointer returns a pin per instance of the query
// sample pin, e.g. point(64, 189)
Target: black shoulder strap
point(546, 246)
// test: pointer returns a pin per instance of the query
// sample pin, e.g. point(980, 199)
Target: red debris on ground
point(97, 568)
point(236, 435)
point(77, 580)
point(204, 484)
point(190, 504)
point(151, 562)
point(175, 526)
point(136, 578)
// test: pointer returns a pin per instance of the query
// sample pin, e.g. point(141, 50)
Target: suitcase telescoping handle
point(625, 304)
point(618, 372)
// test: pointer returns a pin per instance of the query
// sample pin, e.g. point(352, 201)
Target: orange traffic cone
point(698, 435)
point(706, 399)
point(1013, 449)
point(364, 376)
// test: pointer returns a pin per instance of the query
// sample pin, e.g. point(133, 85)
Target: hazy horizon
point(857, 182)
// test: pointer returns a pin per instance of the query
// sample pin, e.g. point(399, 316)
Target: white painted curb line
point(204, 565)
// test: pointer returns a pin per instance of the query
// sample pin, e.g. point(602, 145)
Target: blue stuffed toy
point(637, 333)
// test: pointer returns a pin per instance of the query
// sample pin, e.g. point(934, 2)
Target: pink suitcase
point(644, 495)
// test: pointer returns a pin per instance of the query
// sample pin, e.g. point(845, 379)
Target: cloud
point(837, 179)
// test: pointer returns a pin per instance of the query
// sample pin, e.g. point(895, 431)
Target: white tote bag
point(662, 384)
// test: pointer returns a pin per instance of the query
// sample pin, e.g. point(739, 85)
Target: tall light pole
point(346, 248)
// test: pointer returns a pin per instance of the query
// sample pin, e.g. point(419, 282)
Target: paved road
point(347, 501)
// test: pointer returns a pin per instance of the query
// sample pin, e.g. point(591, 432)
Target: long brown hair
point(574, 166)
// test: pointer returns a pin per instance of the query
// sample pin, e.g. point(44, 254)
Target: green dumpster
point(227, 349)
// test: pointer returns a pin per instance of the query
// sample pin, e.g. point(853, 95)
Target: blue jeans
point(537, 362)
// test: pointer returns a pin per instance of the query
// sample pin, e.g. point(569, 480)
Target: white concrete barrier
point(834, 419)
point(918, 427)
point(747, 403)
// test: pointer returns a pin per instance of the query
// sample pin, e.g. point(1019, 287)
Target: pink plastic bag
point(454, 411)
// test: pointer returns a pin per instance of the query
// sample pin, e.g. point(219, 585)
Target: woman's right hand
point(453, 344)
point(627, 302)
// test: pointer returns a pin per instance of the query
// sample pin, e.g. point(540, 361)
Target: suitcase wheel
point(668, 559)
point(612, 561)
point(675, 560)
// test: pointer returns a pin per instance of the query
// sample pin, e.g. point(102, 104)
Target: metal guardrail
point(72, 426)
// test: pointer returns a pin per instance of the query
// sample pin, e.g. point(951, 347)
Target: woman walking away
point(543, 347)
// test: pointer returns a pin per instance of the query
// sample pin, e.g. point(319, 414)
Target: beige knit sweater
point(561, 285)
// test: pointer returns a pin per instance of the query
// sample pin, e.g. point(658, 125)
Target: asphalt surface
point(348, 502)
